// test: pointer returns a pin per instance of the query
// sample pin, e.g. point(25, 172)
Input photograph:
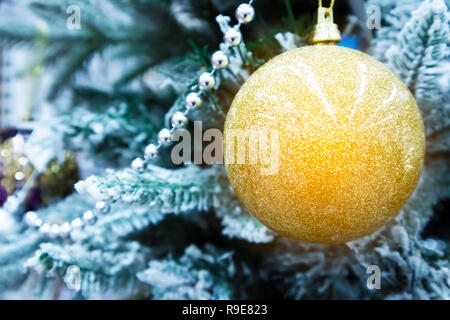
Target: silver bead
point(75, 227)
point(77, 223)
point(206, 81)
point(219, 60)
point(89, 217)
point(138, 164)
point(179, 119)
point(151, 152)
point(38, 223)
point(101, 207)
point(164, 136)
point(54, 230)
point(245, 13)
point(65, 229)
point(233, 37)
point(45, 229)
point(30, 218)
point(193, 100)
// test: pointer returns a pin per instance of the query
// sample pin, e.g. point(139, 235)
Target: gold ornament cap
point(325, 31)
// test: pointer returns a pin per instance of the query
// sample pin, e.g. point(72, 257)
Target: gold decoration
point(56, 182)
point(325, 31)
point(15, 169)
point(351, 144)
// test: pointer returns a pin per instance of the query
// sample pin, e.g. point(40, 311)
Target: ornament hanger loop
point(325, 31)
point(327, 12)
point(331, 5)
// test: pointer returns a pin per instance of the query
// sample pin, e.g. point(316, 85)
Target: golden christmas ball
point(344, 144)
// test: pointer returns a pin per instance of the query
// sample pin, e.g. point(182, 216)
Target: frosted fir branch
point(423, 266)
point(12, 274)
point(19, 24)
point(121, 221)
point(440, 142)
point(433, 185)
point(169, 191)
point(306, 271)
point(139, 31)
point(181, 190)
point(185, 14)
point(239, 224)
point(415, 38)
point(116, 134)
point(45, 144)
point(119, 224)
point(177, 191)
point(67, 209)
point(288, 40)
point(110, 269)
point(418, 53)
point(174, 75)
point(434, 63)
point(247, 228)
point(13, 256)
point(15, 249)
point(197, 274)
point(394, 15)
point(432, 89)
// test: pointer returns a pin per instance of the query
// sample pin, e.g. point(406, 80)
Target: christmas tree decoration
point(164, 136)
point(245, 13)
point(15, 169)
point(351, 142)
point(193, 100)
point(138, 164)
point(233, 37)
point(179, 120)
point(219, 60)
point(206, 81)
point(151, 151)
point(3, 195)
point(58, 180)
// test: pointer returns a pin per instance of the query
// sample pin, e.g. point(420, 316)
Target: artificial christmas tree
point(165, 231)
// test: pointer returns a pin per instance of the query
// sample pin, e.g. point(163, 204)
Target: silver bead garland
point(65, 229)
point(101, 207)
point(219, 60)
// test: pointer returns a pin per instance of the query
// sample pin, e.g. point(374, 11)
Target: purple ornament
point(3, 195)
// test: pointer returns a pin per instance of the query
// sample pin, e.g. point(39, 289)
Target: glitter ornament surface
point(351, 144)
